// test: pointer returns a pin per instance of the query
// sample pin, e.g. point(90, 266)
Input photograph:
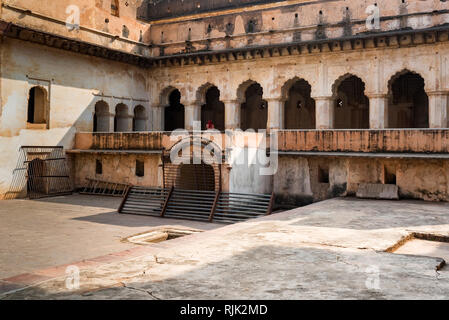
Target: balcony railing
point(372, 141)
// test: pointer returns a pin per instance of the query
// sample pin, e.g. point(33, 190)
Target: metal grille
point(41, 172)
point(187, 176)
point(104, 188)
point(196, 205)
point(144, 201)
point(234, 207)
point(190, 204)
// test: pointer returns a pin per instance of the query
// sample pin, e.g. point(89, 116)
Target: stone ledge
point(378, 191)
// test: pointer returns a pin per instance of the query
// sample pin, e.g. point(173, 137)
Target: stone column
point(111, 121)
point(232, 114)
point(157, 119)
point(438, 109)
point(324, 112)
point(275, 113)
point(378, 111)
point(192, 113)
point(129, 122)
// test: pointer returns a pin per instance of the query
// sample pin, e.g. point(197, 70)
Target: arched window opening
point(300, 107)
point(409, 103)
point(174, 112)
point(254, 111)
point(140, 119)
point(351, 105)
point(213, 111)
point(115, 8)
point(37, 106)
point(121, 118)
point(101, 117)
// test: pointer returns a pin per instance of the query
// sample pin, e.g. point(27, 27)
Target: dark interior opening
point(409, 106)
point(174, 112)
point(98, 167)
point(213, 110)
point(300, 107)
point(352, 105)
point(323, 174)
point(140, 168)
point(254, 111)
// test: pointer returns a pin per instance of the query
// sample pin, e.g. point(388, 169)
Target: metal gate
point(41, 172)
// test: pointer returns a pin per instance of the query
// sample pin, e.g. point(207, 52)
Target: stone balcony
point(391, 142)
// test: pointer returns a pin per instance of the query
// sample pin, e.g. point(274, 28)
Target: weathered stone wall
point(376, 67)
point(73, 83)
point(97, 24)
point(298, 181)
point(116, 168)
point(288, 21)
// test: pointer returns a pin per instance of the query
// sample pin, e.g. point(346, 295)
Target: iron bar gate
point(41, 171)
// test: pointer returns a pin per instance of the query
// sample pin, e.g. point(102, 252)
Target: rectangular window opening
point(390, 176)
point(98, 167)
point(140, 168)
point(323, 174)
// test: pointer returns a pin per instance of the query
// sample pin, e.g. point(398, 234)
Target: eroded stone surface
point(327, 250)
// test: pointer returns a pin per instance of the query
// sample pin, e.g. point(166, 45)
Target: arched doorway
point(174, 112)
point(101, 117)
point(254, 111)
point(351, 104)
point(140, 119)
point(409, 103)
point(299, 112)
point(213, 110)
point(121, 118)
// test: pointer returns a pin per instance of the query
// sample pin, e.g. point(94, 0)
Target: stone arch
point(165, 95)
point(422, 71)
point(174, 113)
point(140, 119)
point(201, 92)
point(101, 117)
point(241, 90)
point(299, 106)
point(37, 110)
point(408, 103)
point(254, 109)
point(351, 105)
point(212, 109)
point(121, 118)
point(193, 173)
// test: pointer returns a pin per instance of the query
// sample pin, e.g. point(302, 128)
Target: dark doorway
point(254, 111)
point(409, 103)
point(101, 117)
point(174, 112)
point(213, 110)
point(140, 119)
point(351, 106)
point(121, 118)
point(36, 106)
point(300, 107)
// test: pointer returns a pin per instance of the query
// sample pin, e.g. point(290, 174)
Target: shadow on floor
point(127, 220)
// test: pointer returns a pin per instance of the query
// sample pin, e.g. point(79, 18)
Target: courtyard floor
point(337, 249)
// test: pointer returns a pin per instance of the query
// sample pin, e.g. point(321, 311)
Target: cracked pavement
point(329, 250)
